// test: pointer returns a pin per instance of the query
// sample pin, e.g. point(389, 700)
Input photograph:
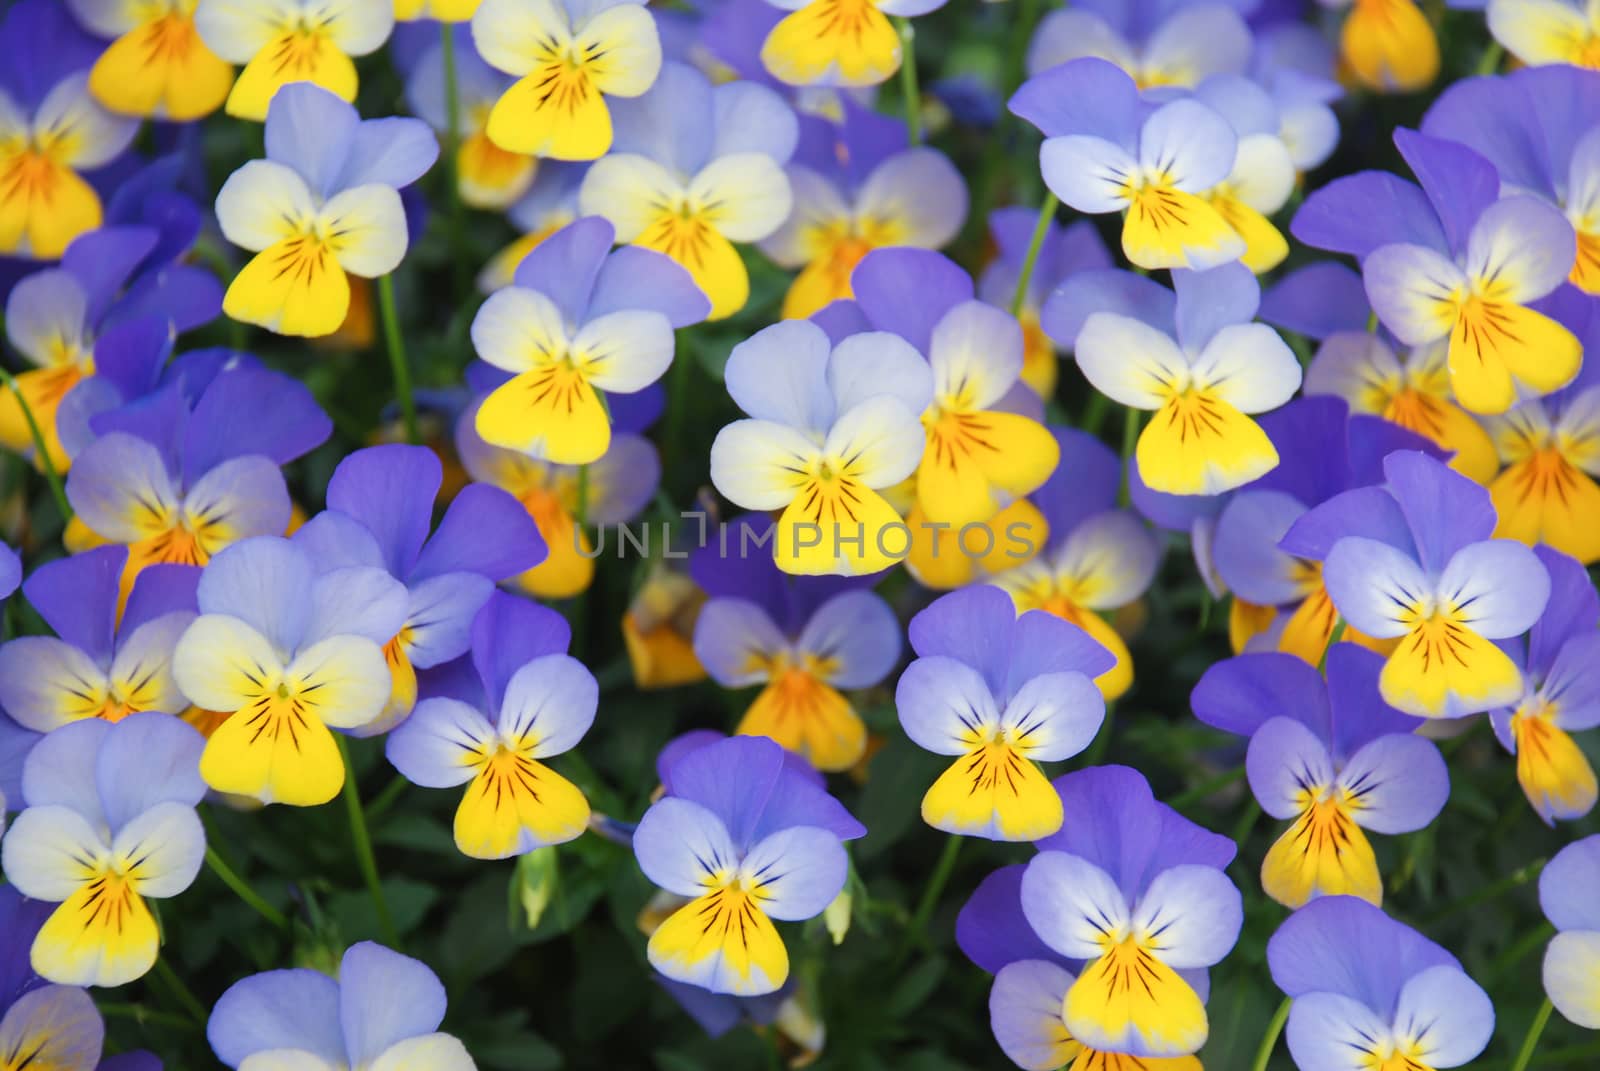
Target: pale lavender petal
point(1358, 213)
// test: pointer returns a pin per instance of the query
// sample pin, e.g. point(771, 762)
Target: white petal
point(629, 190)
point(747, 195)
point(627, 350)
point(1129, 361)
point(370, 223)
point(1249, 367)
point(1087, 173)
point(760, 465)
point(515, 327)
point(166, 846)
point(261, 203)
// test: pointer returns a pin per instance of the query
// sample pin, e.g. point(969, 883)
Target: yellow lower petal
point(1246, 621)
point(554, 111)
point(291, 57)
point(975, 459)
point(706, 255)
point(1324, 853)
point(43, 206)
point(274, 752)
point(163, 70)
point(1264, 245)
point(1198, 444)
point(1040, 365)
point(569, 568)
point(1586, 268)
point(993, 791)
point(839, 527)
point(1168, 228)
point(722, 935)
point(1546, 499)
point(1127, 997)
point(661, 657)
point(838, 42)
point(42, 389)
point(1440, 659)
point(514, 799)
point(1553, 771)
point(809, 717)
point(293, 287)
point(550, 412)
point(102, 935)
point(1494, 343)
point(1443, 422)
point(825, 280)
point(1390, 45)
point(491, 177)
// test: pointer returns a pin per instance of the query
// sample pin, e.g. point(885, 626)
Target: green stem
point(580, 515)
point(141, 1015)
point(1339, 627)
point(1047, 213)
point(41, 451)
point(363, 844)
point(243, 890)
point(1489, 62)
point(1094, 414)
point(1531, 1041)
point(1269, 1041)
point(930, 899)
point(908, 79)
point(1372, 323)
point(397, 357)
point(452, 152)
point(1516, 879)
point(1526, 945)
point(1132, 419)
point(169, 978)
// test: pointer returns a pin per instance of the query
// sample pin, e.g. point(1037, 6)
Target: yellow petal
point(550, 412)
point(101, 935)
point(42, 389)
point(1389, 45)
point(724, 942)
point(1264, 245)
point(43, 206)
point(291, 57)
point(833, 42)
point(971, 455)
point(809, 717)
point(1246, 621)
point(1439, 661)
point(839, 527)
point(661, 657)
point(1546, 499)
point(555, 111)
point(293, 287)
point(1553, 771)
point(1442, 421)
point(569, 569)
point(1168, 228)
point(1496, 342)
point(993, 791)
point(1198, 444)
point(161, 69)
point(706, 255)
point(273, 752)
point(1127, 996)
point(1324, 853)
point(491, 177)
point(516, 804)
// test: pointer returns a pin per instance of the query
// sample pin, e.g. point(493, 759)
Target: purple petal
point(285, 421)
point(160, 589)
point(78, 596)
point(104, 260)
point(1566, 887)
point(1175, 513)
point(292, 1009)
point(908, 291)
point(264, 581)
point(1370, 512)
point(1359, 713)
point(10, 571)
point(20, 920)
point(1106, 290)
point(565, 266)
point(974, 626)
point(483, 531)
point(1573, 609)
point(393, 151)
point(1086, 96)
point(1085, 482)
point(131, 353)
point(1239, 695)
point(1459, 183)
point(634, 278)
point(1043, 643)
point(841, 319)
point(731, 566)
point(390, 489)
point(1496, 118)
point(187, 295)
point(335, 540)
point(1358, 213)
point(312, 131)
point(440, 614)
point(1285, 760)
point(1208, 301)
point(1317, 301)
point(1309, 434)
point(1372, 439)
point(148, 759)
point(510, 632)
point(991, 929)
point(384, 998)
point(1444, 510)
point(1344, 945)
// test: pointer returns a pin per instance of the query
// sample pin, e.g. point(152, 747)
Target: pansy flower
point(1408, 386)
point(1540, 32)
point(697, 168)
point(803, 640)
point(1560, 670)
point(1027, 1002)
point(1553, 154)
point(838, 42)
point(1064, 252)
point(1203, 380)
point(1367, 988)
point(487, 176)
point(530, 701)
point(1453, 260)
point(1388, 45)
point(1108, 150)
point(1138, 895)
point(1333, 759)
point(1002, 693)
point(549, 205)
point(980, 456)
point(325, 202)
point(829, 429)
point(859, 187)
point(570, 60)
point(382, 1011)
point(51, 129)
point(750, 841)
point(380, 509)
point(1413, 560)
point(52, 1026)
point(107, 313)
point(285, 655)
point(103, 662)
point(1566, 894)
point(156, 65)
point(610, 491)
point(285, 41)
point(658, 630)
point(1323, 452)
point(1157, 42)
point(578, 320)
point(1099, 558)
point(110, 823)
point(177, 480)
